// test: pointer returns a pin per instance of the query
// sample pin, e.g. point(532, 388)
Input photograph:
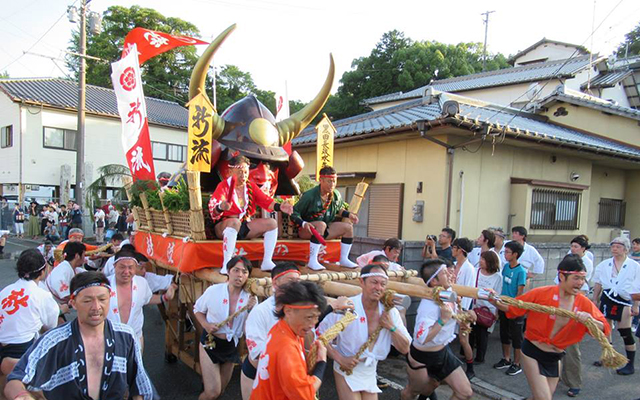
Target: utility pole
point(79, 192)
point(486, 31)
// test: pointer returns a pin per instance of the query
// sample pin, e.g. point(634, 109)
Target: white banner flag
point(127, 84)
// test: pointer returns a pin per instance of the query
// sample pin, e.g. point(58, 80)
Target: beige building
point(38, 120)
point(519, 146)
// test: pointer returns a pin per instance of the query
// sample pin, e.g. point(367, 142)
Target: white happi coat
point(259, 322)
point(363, 377)
point(366, 258)
point(214, 304)
point(140, 297)
point(59, 280)
point(109, 266)
point(426, 317)
point(466, 277)
point(530, 259)
point(158, 282)
point(26, 309)
point(626, 283)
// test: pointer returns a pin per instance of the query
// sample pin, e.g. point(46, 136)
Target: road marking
point(18, 244)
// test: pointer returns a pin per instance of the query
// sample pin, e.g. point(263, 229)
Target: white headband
point(127, 258)
point(369, 274)
point(436, 274)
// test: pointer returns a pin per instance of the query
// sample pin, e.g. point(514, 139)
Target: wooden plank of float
point(336, 289)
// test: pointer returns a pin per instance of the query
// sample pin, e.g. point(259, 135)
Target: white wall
point(102, 145)
point(550, 51)
point(10, 156)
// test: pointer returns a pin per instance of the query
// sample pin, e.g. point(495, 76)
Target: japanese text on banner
point(200, 133)
point(324, 149)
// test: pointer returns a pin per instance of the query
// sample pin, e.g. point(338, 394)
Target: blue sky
point(278, 40)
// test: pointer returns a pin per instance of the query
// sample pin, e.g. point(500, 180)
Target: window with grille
point(555, 209)
point(611, 213)
point(6, 136)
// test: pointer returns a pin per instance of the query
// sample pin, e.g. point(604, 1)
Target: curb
point(493, 392)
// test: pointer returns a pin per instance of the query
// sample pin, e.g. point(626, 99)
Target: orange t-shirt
point(540, 325)
point(282, 368)
point(89, 247)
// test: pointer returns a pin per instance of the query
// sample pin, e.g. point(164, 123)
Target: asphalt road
point(177, 381)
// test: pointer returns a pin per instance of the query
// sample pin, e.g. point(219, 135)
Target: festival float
point(176, 232)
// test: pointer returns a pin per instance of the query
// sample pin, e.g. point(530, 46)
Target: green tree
point(165, 76)
point(398, 64)
point(631, 45)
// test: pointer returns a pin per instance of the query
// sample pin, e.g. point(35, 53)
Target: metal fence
point(612, 213)
point(555, 209)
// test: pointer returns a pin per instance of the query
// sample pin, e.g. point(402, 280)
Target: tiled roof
point(63, 93)
point(508, 76)
point(607, 79)
point(473, 115)
point(580, 99)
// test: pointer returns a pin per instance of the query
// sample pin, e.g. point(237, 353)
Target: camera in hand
point(432, 237)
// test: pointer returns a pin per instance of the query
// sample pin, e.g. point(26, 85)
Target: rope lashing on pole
point(327, 337)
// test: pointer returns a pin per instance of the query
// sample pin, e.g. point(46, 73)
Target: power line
point(554, 75)
point(486, 31)
point(37, 41)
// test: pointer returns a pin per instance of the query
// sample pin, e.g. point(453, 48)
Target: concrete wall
point(10, 156)
point(488, 198)
point(626, 130)
point(407, 160)
point(550, 51)
point(102, 144)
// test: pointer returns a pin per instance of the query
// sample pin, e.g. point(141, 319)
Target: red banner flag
point(127, 84)
point(152, 43)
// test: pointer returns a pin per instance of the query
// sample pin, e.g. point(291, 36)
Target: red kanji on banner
point(16, 300)
point(151, 43)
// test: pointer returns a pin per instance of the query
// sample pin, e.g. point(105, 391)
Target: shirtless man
point(545, 342)
point(361, 383)
point(89, 345)
point(130, 293)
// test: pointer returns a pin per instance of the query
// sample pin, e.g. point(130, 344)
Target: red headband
point(305, 307)
point(283, 273)
point(581, 273)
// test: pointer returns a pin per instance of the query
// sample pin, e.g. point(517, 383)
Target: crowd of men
point(98, 354)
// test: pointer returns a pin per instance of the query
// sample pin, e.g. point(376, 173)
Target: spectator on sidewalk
point(112, 218)
point(18, 221)
point(33, 226)
point(443, 249)
point(530, 259)
point(488, 276)
point(51, 232)
point(635, 250)
point(63, 221)
point(514, 279)
point(44, 217)
point(485, 242)
point(121, 224)
point(47, 251)
point(391, 249)
point(76, 217)
point(99, 218)
point(616, 280)
point(5, 214)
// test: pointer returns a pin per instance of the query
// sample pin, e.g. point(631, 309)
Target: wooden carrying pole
point(196, 218)
point(127, 181)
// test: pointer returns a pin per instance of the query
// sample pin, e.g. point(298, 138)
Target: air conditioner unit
point(617, 232)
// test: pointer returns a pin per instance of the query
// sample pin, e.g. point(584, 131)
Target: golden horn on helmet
point(289, 128)
point(199, 76)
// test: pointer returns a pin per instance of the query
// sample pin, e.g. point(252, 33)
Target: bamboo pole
point(196, 218)
point(147, 211)
point(358, 196)
point(165, 212)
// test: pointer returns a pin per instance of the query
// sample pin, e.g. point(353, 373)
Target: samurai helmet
point(249, 126)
